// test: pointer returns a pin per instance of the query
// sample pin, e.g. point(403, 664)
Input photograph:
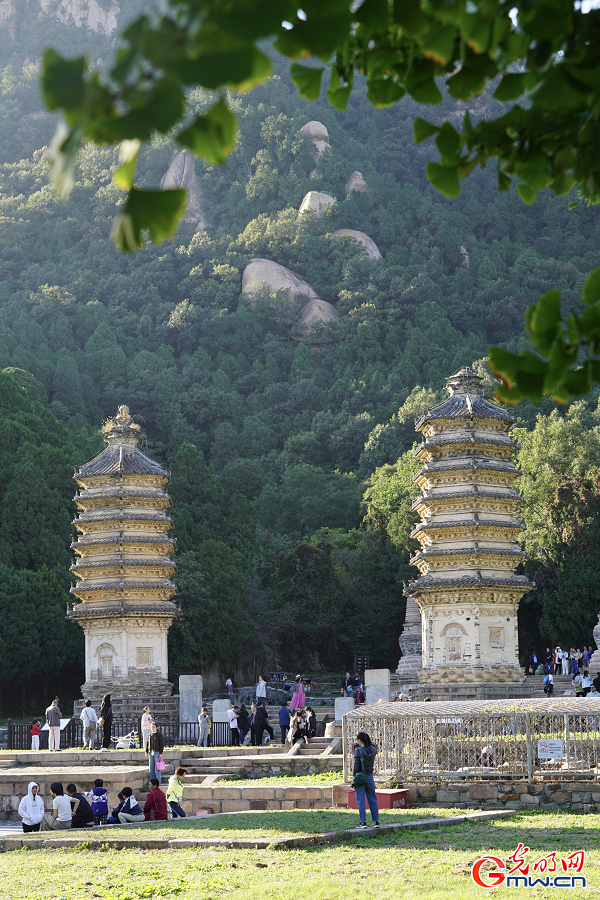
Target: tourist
point(155, 807)
point(577, 683)
point(311, 722)
point(356, 684)
point(557, 660)
point(548, 660)
point(586, 682)
point(130, 811)
point(90, 721)
point(253, 725)
point(154, 748)
point(346, 690)
point(31, 808)
point(573, 658)
point(113, 819)
point(106, 720)
point(261, 689)
point(243, 723)
point(61, 810)
point(364, 759)
point(548, 684)
point(203, 728)
point(360, 696)
point(146, 724)
point(229, 686)
point(99, 802)
point(34, 731)
point(284, 720)
point(53, 720)
point(297, 730)
point(175, 793)
point(541, 669)
point(580, 665)
point(233, 726)
point(298, 698)
point(533, 662)
point(565, 662)
point(82, 813)
point(596, 682)
point(261, 720)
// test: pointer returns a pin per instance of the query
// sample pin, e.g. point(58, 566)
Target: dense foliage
point(272, 443)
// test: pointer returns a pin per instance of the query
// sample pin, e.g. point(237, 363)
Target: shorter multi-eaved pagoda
point(468, 593)
point(124, 568)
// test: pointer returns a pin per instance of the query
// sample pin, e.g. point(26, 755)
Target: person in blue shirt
point(284, 720)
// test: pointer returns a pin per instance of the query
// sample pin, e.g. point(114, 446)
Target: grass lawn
point(431, 864)
point(321, 779)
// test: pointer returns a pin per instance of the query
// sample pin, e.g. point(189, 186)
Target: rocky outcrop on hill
point(181, 174)
point(261, 272)
point(368, 243)
point(313, 313)
point(316, 201)
point(356, 182)
point(318, 135)
point(264, 272)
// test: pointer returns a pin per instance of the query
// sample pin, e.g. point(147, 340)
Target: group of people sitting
point(79, 809)
point(559, 661)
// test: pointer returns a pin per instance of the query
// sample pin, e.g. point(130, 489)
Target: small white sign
point(550, 749)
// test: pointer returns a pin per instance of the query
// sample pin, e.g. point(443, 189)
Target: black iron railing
point(71, 737)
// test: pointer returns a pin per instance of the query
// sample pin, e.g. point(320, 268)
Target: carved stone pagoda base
point(476, 690)
point(129, 698)
point(472, 675)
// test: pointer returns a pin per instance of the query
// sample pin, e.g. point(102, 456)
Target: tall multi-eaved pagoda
point(468, 593)
point(125, 567)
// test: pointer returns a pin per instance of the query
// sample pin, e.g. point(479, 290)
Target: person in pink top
point(298, 698)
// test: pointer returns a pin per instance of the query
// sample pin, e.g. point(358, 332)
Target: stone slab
point(190, 697)
point(343, 705)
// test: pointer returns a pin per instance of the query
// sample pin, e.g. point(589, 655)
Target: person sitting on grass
point(31, 808)
point(61, 810)
point(155, 807)
point(131, 811)
point(175, 793)
point(83, 815)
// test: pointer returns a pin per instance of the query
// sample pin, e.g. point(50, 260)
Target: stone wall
point(221, 798)
point(505, 794)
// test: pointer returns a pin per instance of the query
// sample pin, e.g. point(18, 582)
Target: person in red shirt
point(155, 806)
point(35, 735)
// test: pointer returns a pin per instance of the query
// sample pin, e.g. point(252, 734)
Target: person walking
point(346, 690)
point(154, 748)
point(229, 686)
point(106, 720)
point(253, 725)
point(146, 724)
point(284, 720)
point(203, 727)
point(131, 811)
point(31, 808)
point(243, 723)
point(261, 689)
point(233, 726)
point(34, 731)
point(298, 697)
point(356, 684)
point(175, 793)
point(548, 660)
point(53, 720)
point(82, 814)
point(90, 721)
point(155, 807)
point(61, 817)
point(533, 662)
point(364, 760)
point(311, 722)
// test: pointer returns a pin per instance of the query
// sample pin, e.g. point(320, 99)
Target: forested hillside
point(290, 459)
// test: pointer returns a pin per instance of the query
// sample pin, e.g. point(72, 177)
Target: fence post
point(529, 747)
point(567, 741)
point(9, 734)
point(344, 750)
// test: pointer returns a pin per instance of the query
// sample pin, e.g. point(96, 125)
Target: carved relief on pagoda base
point(471, 674)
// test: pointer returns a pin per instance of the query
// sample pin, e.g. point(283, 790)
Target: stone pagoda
point(124, 568)
point(468, 593)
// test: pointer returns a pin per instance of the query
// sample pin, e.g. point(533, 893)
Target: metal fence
point(513, 738)
point(71, 737)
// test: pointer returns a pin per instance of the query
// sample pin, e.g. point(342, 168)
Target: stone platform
point(477, 690)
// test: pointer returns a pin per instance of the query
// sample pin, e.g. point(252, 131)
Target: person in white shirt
point(233, 726)
point(31, 808)
point(61, 810)
point(548, 684)
point(90, 723)
point(565, 662)
point(261, 689)
point(586, 682)
point(147, 721)
point(203, 727)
